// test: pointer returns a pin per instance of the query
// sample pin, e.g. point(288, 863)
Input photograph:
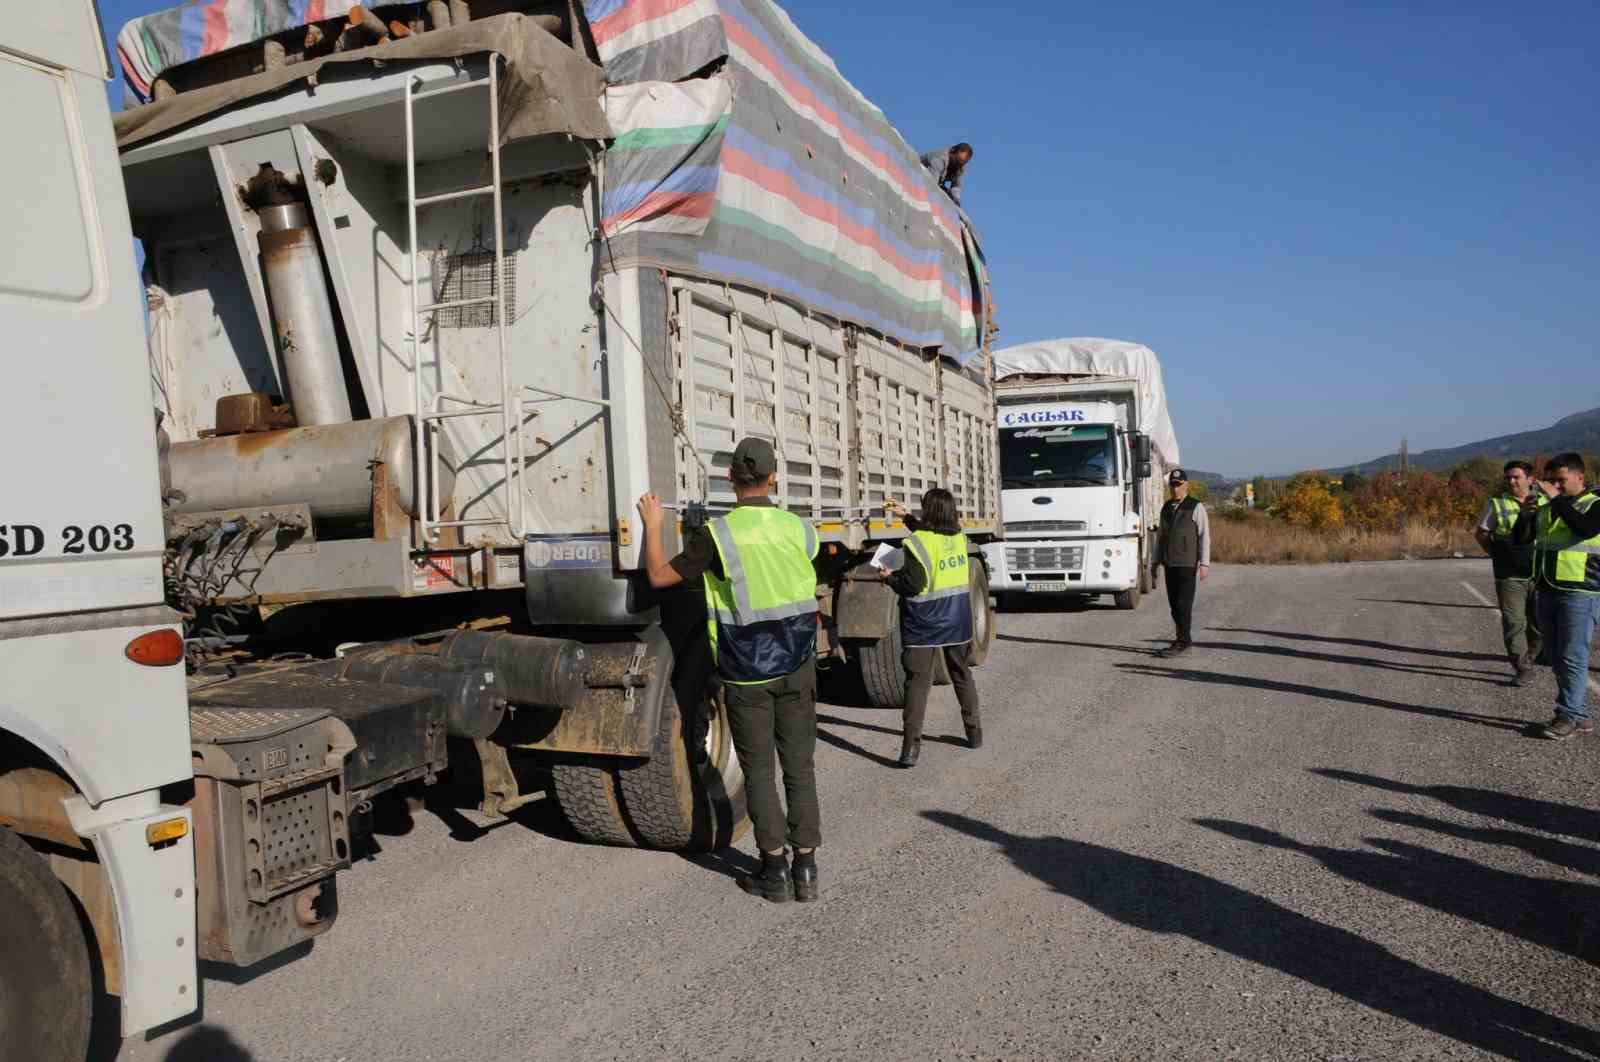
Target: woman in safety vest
point(935, 616)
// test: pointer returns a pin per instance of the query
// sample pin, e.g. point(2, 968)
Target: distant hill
point(1580, 432)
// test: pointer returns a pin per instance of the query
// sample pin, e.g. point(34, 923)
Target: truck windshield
point(1058, 456)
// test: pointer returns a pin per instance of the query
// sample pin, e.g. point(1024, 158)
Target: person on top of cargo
point(757, 564)
point(1184, 549)
point(1565, 534)
point(949, 168)
point(935, 616)
point(1514, 577)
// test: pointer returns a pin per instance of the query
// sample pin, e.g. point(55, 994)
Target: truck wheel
point(45, 1002)
point(683, 801)
point(589, 798)
point(1147, 576)
point(982, 616)
point(883, 675)
point(1128, 599)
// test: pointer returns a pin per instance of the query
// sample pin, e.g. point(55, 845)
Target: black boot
point(805, 876)
point(910, 750)
point(772, 881)
point(975, 736)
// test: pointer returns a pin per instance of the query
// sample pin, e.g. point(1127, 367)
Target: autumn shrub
point(1253, 537)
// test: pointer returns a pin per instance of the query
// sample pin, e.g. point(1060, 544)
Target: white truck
point(1086, 441)
point(428, 310)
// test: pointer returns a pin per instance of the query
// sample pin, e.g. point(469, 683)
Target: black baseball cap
point(1177, 475)
point(755, 458)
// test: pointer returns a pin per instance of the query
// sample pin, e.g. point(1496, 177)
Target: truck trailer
point(433, 293)
point(1086, 441)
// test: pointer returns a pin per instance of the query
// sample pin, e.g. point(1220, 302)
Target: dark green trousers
point(775, 724)
point(919, 665)
point(1519, 623)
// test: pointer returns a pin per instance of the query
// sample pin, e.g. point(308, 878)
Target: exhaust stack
point(302, 313)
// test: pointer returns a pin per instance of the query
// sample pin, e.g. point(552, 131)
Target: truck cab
point(96, 849)
point(1069, 480)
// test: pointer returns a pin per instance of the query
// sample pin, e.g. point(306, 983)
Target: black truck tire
point(983, 615)
point(1128, 600)
point(589, 798)
point(683, 800)
point(883, 676)
point(45, 1001)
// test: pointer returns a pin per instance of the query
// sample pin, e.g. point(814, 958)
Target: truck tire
point(883, 676)
point(682, 802)
point(590, 800)
point(983, 618)
point(1128, 599)
point(1147, 576)
point(45, 1002)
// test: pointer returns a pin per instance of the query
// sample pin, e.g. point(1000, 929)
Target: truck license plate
point(1045, 588)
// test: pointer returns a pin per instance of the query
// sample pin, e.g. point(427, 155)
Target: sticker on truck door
point(569, 553)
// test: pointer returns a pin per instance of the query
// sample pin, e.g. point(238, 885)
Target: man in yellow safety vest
point(1566, 537)
point(757, 565)
point(1514, 577)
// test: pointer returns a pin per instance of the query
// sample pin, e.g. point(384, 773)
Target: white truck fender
point(152, 887)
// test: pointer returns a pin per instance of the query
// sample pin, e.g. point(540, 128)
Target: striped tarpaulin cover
point(800, 188)
point(150, 45)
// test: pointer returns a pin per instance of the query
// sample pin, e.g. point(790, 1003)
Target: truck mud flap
point(271, 828)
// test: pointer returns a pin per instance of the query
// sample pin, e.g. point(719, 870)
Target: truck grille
point(1041, 527)
point(1044, 558)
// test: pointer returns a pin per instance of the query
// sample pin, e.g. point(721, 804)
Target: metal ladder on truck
point(427, 417)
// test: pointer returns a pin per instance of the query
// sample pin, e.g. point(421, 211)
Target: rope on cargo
point(675, 409)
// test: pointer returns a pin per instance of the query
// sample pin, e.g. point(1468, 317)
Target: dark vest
point(1180, 535)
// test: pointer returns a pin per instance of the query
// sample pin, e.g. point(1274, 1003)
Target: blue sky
point(1336, 223)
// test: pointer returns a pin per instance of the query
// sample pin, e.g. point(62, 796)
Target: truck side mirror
point(1141, 449)
point(1144, 470)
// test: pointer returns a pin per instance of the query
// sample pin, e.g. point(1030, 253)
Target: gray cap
point(755, 458)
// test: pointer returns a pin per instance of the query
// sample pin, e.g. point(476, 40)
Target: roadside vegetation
point(1315, 518)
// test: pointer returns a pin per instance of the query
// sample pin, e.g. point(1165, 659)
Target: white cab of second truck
point(1086, 441)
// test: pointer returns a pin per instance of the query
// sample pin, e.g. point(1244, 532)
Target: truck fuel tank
point(335, 469)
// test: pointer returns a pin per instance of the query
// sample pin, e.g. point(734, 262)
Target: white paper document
point(888, 558)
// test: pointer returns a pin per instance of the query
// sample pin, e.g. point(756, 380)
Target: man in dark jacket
point(1184, 549)
point(949, 168)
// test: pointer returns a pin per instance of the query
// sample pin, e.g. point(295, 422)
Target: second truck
point(1086, 441)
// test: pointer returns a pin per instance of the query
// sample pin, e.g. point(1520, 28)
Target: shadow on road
point(1367, 643)
point(207, 1043)
point(1083, 645)
point(1493, 678)
point(1583, 859)
point(1159, 897)
point(729, 862)
point(941, 739)
point(1542, 911)
point(1543, 815)
point(1425, 604)
point(1218, 678)
point(828, 738)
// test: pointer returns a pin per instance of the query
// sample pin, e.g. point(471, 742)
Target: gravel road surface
point(1323, 834)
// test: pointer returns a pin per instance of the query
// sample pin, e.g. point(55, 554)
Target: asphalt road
point(1322, 835)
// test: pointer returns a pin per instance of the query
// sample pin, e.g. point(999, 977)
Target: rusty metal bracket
point(501, 793)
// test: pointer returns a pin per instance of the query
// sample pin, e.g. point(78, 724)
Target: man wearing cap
point(757, 565)
point(1184, 549)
